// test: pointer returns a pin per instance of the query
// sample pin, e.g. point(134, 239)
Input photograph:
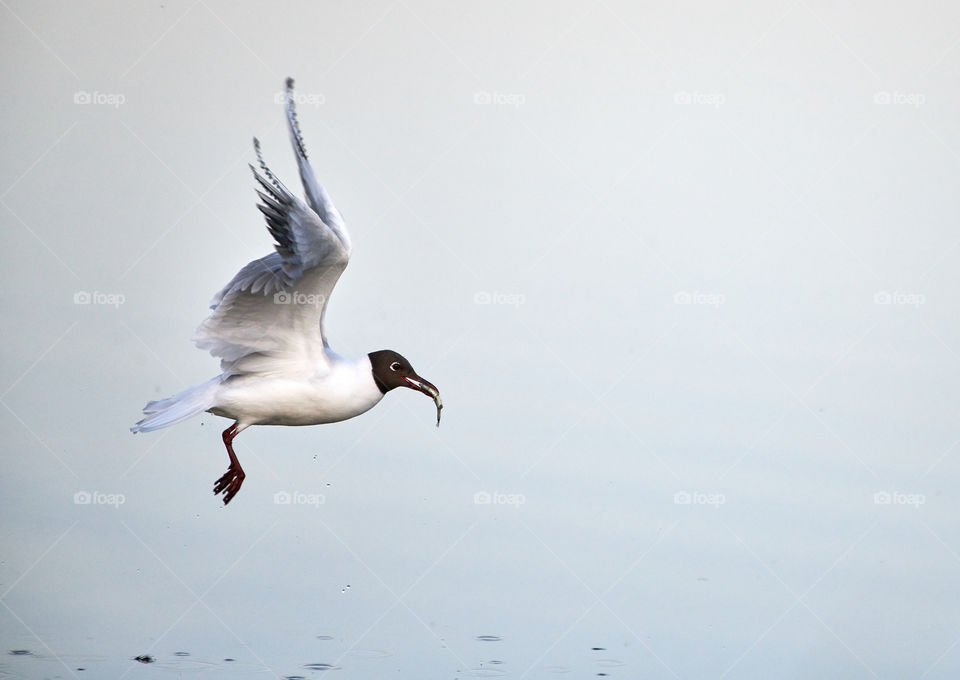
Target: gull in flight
point(267, 327)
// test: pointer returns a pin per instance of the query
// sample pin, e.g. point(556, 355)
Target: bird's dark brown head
point(392, 370)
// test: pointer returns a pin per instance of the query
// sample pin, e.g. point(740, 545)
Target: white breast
point(347, 390)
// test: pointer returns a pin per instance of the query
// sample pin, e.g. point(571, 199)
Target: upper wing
point(269, 318)
point(316, 195)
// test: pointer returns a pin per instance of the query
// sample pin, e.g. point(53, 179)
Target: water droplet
point(489, 638)
point(324, 637)
point(181, 653)
point(21, 652)
point(144, 658)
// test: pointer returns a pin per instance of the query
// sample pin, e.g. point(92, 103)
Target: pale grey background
point(644, 251)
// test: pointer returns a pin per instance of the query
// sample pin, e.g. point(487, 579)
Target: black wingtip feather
point(273, 187)
point(269, 212)
point(294, 123)
point(270, 201)
point(263, 166)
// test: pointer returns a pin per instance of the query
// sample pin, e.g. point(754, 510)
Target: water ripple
point(321, 667)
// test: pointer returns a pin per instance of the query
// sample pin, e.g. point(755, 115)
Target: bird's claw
point(230, 483)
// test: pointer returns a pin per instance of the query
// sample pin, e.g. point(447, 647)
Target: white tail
point(180, 406)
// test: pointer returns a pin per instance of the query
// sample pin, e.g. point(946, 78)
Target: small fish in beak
point(418, 383)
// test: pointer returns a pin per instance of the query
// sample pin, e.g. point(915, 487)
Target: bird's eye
point(395, 366)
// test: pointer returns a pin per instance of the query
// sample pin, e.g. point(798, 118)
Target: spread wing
point(269, 318)
point(316, 195)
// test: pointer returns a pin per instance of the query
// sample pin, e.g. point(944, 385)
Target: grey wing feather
point(248, 320)
point(317, 196)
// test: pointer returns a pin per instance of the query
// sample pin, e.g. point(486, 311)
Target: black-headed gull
point(267, 328)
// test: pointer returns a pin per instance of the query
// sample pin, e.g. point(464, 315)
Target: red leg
point(233, 478)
